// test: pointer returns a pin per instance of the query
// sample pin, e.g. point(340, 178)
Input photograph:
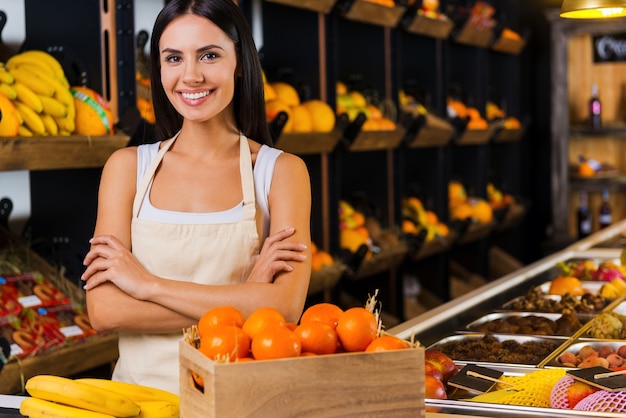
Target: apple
point(443, 362)
point(431, 369)
point(434, 389)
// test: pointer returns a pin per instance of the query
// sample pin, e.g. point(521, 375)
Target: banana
point(66, 124)
point(50, 61)
point(28, 97)
point(5, 76)
point(53, 107)
point(50, 124)
point(31, 79)
point(81, 395)
point(158, 409)
point(135, 392)
point(8, 91)
point(36, 407)
point(32, 120)
point(16, 61)
point(23, 131)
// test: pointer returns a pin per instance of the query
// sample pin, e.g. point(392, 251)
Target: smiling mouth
point(196, 96)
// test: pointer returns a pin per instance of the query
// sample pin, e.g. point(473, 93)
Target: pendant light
point(593, 9)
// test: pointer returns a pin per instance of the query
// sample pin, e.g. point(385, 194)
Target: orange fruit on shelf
point(566, 284)
point(386, 342)
point(586, 170)
point(321, 259)
point(221, 315)
point(461, 211)
point(286, 93)
point(93, 113)
point(225, 341)
point(263, 318)
point(302, 119)
point(273, 343)
point(357, 328)
point(268, 92)
point(483, 212)
point(10, 121)
point(322, 115)
point(274, 107)
point(324, 312)
point(317, 337)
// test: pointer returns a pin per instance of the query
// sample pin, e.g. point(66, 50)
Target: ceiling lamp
point(593, 9)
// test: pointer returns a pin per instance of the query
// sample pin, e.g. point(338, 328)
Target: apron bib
point(214, 254)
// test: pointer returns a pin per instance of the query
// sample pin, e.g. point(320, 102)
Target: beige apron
point(210, 254)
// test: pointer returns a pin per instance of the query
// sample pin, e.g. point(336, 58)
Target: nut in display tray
point(529, 323)
point(499, 349)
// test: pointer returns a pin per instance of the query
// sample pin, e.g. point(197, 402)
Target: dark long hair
point(248, 100)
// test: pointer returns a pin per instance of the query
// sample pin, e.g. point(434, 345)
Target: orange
point(386, 124)
point(268, 92)
point(456, 192)
point(93, 114)
point(341, 88)
point(409, 227)
point(472, 113)
point(431, 217)
point(357, 328)
point(443, 229)
point(371, 125)
point(461, 211)
point(358, 100)
point(320, 259)
point(586, 170)
point(302, 119)
point(325, 312)
point(273, 343)
point(322, 115)
point(477, 124)
point(483, 212)
point(351, 239)
point(373, 111)
point(457, 108)
point(10, 121)
point(221, 315)
point(566, 284)
point(225, 341)
point(317, 337)
point(274, 107)
point(261, 319)
point(286, 93)
point(386, 342)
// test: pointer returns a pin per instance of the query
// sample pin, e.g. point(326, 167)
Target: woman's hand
point(275, 255)
point(109, 260)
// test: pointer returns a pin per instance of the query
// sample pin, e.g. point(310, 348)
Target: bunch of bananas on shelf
point(56, 396)
point(36, 86)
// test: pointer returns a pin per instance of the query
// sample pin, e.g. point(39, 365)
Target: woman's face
point(198, 64)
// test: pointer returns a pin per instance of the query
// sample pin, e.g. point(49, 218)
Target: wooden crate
point(382, 384)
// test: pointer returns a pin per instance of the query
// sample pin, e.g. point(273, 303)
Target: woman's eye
point(172, 58)
point(210, 56)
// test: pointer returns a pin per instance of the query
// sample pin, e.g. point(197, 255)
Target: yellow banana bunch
point(36, 407)
point(137, 393)
point(36, 79)
point(80, 395)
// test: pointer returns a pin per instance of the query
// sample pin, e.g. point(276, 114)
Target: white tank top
point(263, 172)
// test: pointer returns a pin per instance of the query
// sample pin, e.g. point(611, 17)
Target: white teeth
point(195, 96)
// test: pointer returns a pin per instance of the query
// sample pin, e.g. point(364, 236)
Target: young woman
point(211, 215)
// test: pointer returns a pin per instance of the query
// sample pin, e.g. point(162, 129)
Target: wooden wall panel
point(583, 72)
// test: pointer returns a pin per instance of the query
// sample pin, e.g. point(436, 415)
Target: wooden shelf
point(308, 143)
point(51, 153)
point(320, 6)
point(508, 46)
point(377, 14)
point(426, 26)
point(66, 361)
point(377, 140)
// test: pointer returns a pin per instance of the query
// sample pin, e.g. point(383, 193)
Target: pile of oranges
point(324, 328)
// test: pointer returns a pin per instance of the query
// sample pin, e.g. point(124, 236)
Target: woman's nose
point(192, 75)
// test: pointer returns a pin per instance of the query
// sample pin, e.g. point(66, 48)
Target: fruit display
point(37, 101)
point(590, 167)
point(416, 218)
point(57, 396)
point(494, 113)
point(463, 207)
point(353, 102)
point(497, 198)
point(470, 114)
point(306, 116)
point(320, 258)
